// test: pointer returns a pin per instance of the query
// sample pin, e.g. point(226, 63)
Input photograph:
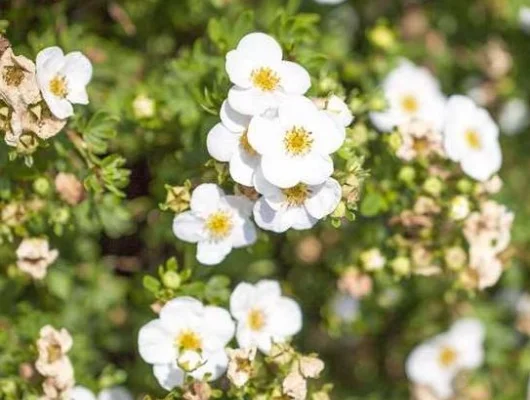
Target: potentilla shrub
point(225, 200)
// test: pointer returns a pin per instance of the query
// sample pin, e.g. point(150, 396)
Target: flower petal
point(77, 95)
point(60, 108)
point(286, 172)
point(244, 235)
point(49, 61)
point(232, 120)
point(218, 328)
point(265, 135)
point(82, 393)
point(115, 393)
point(221, 143)
point(188, 227)
point(286, 320)
point(295, 78)
point(260, 48)
point(169, 375)
point(324, 199)
point(155, 344)
point(242, 166)
point(252, 101)
point(316, 169)
point(241, 300)
point(215, 366)
point(180, 312)
point(77, 69)
point(239, 68)
point(205, 198)
point(211, 253)
point(269, 219)
point(300, 218)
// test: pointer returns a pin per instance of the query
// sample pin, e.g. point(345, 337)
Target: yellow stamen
point(473, 139)
point(447, 356)
point(54, 353)
point(219, 225)
point(245, 145)
point(409, 104)
point(256, 320)
point(58, 86)
point(297, 195)
point(188, 340)
point(298, 141)
point(265, 79)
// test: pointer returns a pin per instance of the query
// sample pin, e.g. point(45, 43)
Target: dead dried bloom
point(310, 366)
point(240, 365)
point(295, 386)
point(18, 83)
point(53, 345)
point(197, 391)
point(70, 189)
point(34, 256)
point(419, 139)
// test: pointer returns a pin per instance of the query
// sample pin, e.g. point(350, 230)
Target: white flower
point(299, 207)
point(436, 362)
point(412, 93)
point(217, 223)
point(263, 315)
point(113, 393)
point(261, 78)
point(186, 326)
point(330, 1)
point(524, 19)
point(471, 138)
point(337, 109)
point(514, 117)
point(62, 80)
point(228, 142)
point(296, 145)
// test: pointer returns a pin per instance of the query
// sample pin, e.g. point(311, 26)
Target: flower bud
point(372, 259)
point(171, 279)
point(459, 208)
point(455, 257)
point(178, 198)
point(401, 265)
point(433, 186)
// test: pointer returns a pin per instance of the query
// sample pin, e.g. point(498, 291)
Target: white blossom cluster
point(466, 131)
point(189, 338)
point(435, 363)
point(275, 140)
point(56, 79)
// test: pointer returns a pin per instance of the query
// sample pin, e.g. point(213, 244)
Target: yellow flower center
point(256, 319)
point(473, 139)
point(296, 195)
point(54, 352)
point(447, 356)
point(298, 141)
point(245, 145)
point(188, 340)
point(409, 104)
point(58, 86)
point(12, 75)
point(219, 224)
point(265, 79)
